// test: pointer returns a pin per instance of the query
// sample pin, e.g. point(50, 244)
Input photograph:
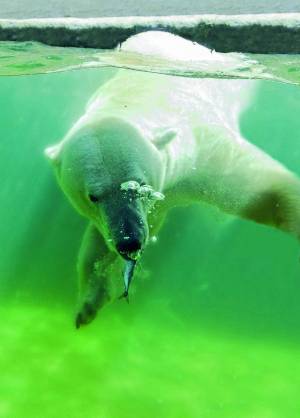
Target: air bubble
point(143, 192)
point(146, 190)
point(130, 185)
point(157, 196)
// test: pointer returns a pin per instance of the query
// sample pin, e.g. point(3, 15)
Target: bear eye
point(93, 198)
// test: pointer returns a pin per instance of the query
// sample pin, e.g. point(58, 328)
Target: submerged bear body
point(161, 134)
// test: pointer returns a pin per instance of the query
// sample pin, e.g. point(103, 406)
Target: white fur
point(197, 119)
point(183, 134)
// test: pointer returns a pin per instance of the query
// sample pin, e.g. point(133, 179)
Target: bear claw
point(86, 315)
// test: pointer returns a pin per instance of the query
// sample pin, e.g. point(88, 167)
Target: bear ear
point(53, 153)
point(164, 137)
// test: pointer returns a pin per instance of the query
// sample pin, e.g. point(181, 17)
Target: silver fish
point(127, 276)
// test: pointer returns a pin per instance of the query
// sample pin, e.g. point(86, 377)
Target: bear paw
point(86, 314)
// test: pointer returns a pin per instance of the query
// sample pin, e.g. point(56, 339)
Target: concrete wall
point(269, 33)
point(24, 9)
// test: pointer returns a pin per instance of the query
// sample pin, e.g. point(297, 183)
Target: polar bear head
point(108, 171)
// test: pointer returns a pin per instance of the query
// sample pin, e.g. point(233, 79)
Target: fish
point(127, 276)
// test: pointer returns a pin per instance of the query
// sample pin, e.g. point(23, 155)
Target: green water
point(212, 329)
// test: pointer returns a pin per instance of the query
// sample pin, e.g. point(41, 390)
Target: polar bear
point(148, 142)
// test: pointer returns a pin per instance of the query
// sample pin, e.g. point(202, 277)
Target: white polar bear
point(144, 133)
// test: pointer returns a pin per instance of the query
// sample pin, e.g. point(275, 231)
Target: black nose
point(127, 246)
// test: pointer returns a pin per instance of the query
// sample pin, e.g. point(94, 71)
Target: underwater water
point(212, 328)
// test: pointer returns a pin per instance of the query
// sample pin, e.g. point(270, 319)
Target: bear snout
point(129, 247)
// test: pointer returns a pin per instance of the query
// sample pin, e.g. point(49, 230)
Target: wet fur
point(183, 137)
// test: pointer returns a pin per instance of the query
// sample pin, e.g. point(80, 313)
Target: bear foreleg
point(94, 260)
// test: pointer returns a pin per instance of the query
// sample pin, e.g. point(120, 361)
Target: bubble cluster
point(143, 192)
